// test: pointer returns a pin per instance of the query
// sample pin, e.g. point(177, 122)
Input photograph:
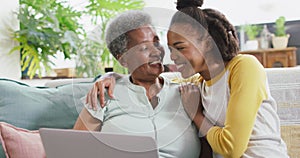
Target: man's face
point(145, 54)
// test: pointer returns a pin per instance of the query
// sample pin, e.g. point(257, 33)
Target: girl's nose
point(173, 56)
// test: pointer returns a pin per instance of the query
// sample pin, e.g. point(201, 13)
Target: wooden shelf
point(275, 57)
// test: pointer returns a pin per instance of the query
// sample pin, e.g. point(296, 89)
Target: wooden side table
point(275, 57)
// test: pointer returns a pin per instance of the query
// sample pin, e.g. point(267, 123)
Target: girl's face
point(186, 49)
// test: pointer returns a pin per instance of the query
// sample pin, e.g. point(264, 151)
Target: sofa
point(284, 85)
point(24, 109)
point(30, 108)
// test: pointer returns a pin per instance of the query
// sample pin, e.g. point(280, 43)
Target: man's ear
point(122, 60)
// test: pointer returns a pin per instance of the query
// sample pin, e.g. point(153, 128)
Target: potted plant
point(280, 38)
point(251, 30)
point(46, 28)
point(49, 27)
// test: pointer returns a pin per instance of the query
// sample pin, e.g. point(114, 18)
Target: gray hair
point(116, 37)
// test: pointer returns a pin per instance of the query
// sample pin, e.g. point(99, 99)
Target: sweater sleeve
point(247, 83)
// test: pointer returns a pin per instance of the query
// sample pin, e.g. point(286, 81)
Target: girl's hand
point(191, 99)
point(106, 81)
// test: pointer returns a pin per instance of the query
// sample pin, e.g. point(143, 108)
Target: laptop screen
point(69, 143)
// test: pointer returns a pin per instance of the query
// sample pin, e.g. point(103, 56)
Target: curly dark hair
point(212, 21)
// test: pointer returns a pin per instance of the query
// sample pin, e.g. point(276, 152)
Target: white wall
point(9, 63)
point(256, 11)
point(242, 11)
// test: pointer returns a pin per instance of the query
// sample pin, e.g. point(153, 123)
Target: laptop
point(67, 143)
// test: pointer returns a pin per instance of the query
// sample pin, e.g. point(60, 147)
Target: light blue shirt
point(132, 113)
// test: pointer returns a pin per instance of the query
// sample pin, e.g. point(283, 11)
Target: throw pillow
point(36, 107)
point(19, 142)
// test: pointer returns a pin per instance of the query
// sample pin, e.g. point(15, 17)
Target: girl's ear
point(209, 44)
point(206, 44)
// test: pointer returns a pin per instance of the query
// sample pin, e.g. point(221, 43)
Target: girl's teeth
point(179, 66)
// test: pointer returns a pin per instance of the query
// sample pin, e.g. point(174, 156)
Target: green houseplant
point(46, 27)
point(252, 31)
point(94, 55)
point(280, 26)
point(280, 38)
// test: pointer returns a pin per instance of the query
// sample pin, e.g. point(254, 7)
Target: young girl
point(239, 116)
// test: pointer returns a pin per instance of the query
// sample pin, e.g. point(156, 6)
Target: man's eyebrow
point(176, 43)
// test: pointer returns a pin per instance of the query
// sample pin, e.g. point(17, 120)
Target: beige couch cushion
point(285, 88)
point(291, 135)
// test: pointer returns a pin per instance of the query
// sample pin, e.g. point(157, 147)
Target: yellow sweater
point(241, 118)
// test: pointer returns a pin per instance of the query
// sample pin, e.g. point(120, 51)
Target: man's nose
point(157, 50)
